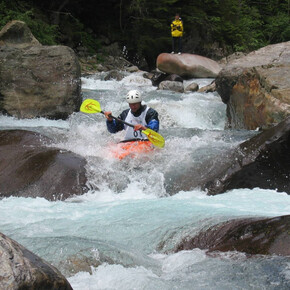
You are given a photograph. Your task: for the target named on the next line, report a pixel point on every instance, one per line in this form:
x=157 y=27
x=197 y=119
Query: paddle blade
x=155 y=138
x=90 y=106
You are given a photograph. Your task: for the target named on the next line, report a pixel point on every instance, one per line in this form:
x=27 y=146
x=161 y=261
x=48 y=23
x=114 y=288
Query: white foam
x=136 y=79
x=97 y=84
x=197 y=112
x=123 y=208
x=181 y=260
x=112 y=277
x=13 y=122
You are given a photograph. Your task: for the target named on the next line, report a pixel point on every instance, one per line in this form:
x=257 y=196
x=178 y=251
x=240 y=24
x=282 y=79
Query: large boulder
x=31 y=169
x=264 y=236
x=21 y=269
x=263 y=161
x=17 y=34
x=36 y=80
x=187 y=65
x=256 y=87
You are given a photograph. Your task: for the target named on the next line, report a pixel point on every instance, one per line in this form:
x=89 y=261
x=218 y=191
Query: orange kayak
x=131 y=148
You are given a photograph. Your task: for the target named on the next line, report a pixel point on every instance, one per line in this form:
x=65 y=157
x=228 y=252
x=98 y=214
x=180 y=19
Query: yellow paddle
x=92 y=106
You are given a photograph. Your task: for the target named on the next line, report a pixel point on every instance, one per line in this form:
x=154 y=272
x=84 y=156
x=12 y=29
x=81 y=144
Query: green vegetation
x=69 y=31
x=230 y=25
x=41 y=29
x=213 y=28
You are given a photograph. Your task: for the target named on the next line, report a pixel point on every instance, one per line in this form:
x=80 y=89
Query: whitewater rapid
x=122 y=233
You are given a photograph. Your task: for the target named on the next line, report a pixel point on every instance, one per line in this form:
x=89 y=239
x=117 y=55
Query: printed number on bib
x=136 y=133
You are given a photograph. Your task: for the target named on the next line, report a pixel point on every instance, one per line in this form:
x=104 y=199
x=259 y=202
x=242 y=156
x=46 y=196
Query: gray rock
x=156 y=77
x=21 y=269
x=256 y=87
x=208 y=89
x=30 y=169
x=193 y=87
x=174 y=78
x=114 y=75
x=263 y=236
x=35 y=80
x=132 y=69
x=172 y=86
x=17 y=34
x=263 y=161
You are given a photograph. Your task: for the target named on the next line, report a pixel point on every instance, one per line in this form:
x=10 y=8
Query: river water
x=121 y=234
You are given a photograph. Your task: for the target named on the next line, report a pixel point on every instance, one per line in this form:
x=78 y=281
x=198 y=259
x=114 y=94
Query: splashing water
x=112 y=236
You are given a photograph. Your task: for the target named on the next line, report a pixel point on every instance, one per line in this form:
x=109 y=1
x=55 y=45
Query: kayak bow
x=130 y=148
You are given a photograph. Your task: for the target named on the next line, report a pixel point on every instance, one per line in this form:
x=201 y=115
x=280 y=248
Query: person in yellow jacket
x=177 y=33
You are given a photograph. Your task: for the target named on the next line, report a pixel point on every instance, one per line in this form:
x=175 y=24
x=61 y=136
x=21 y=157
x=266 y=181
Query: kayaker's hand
x=108 y=116
x=139 y=127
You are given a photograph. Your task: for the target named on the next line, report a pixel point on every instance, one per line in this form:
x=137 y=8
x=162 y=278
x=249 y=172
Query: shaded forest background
x=213 y=28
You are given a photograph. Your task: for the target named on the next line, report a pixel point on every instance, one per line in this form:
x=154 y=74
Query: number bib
x=130 y=133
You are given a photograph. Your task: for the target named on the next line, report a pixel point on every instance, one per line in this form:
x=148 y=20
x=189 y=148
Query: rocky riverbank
x=256 y=87
x=45 y=81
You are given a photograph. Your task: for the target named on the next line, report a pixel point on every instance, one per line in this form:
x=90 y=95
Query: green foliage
x=143 y=26
x=247 y=34
x=88 y=41
x=44 y=33
x=277 y=28
x=76 y=34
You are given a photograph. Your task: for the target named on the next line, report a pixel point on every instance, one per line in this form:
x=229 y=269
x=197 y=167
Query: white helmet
x=133 y=97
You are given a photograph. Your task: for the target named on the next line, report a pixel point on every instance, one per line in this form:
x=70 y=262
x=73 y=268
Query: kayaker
x=141 y=116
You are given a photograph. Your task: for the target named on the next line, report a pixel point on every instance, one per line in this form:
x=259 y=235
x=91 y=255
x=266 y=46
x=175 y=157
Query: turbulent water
x=120 y=235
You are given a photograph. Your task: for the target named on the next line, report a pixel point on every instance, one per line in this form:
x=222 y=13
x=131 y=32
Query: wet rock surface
x=21 y=269
x=30 y=169
x=266 y=236
x=37 y=80
x=262 y=161
x=256 y=87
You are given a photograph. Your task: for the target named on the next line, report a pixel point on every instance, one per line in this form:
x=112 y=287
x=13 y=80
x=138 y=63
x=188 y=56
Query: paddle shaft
x=92 y=106
x=117 y=119
x=154 y=137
